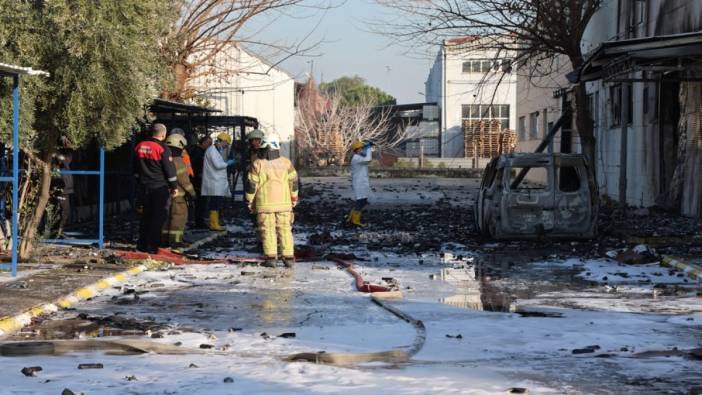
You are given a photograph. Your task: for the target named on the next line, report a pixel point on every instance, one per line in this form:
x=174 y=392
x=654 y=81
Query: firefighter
x=185 y=156
x=255 y=138
x=215 y=183
x=362 y=156
x=272 y=194
x=172 y=234
x=157 y=177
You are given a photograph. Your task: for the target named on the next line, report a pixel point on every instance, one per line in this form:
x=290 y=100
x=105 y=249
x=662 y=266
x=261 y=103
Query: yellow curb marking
x=12 y=324
x=691 y=270
x=103 y=284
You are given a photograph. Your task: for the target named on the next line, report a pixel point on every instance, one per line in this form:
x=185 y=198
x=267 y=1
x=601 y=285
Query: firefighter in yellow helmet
x=172 y=233
x=272 y=194
x=362 y=156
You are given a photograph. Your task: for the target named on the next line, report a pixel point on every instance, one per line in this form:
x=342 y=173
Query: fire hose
x=378 y=294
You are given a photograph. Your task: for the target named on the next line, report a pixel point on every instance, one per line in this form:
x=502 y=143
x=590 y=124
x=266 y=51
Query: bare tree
x=536 y=31
x=326 y=128
x=205 y=28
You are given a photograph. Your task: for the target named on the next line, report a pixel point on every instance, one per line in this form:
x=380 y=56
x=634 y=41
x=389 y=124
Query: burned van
x=537 y=195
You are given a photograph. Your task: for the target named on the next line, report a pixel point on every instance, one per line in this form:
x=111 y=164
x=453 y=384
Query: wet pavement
x=543 y=317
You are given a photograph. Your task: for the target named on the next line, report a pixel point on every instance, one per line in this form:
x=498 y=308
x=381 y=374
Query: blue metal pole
x=101 y=204
x=15 y=171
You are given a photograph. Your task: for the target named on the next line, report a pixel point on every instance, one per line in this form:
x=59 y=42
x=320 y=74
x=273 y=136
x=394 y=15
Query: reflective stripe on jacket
x=272 y=185
x=188 y=163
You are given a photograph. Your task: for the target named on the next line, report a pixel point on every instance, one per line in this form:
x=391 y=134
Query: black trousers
x=156 y=202
x=200 y=204
x=201 y=211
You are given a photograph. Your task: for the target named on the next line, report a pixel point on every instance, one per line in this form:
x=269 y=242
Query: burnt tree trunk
x=29 y=233
x=685 y=190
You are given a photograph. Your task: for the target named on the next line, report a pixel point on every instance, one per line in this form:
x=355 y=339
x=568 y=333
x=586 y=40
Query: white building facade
x=637 y=114
x=250 y=86
x=470 y=85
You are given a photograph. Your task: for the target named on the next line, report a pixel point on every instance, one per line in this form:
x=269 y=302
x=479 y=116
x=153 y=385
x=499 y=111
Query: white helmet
x=177 y=141
x=271 y=141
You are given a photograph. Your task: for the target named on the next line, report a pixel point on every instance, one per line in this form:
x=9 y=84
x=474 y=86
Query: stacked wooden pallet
x=487 y=139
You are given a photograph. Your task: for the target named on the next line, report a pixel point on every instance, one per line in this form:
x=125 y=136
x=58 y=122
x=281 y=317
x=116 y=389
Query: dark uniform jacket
x=153 y=165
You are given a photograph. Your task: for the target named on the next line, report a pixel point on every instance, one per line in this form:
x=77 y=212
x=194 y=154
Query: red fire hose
x=361 y=285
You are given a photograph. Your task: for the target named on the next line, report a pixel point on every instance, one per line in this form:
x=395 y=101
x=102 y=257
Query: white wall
x=643 y=151
x=463 y=89
x=253 y=89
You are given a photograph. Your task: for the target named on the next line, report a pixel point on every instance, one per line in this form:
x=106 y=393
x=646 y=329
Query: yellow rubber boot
x=214 y=221
x=349 y=217
x=356 y=218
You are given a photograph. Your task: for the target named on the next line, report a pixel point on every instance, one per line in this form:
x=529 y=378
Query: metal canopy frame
x=14 y=72
x=661 y=54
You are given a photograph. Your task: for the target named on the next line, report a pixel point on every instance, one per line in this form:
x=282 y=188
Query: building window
x=522 y=128
x=615 y=105
x=486 y=112
x=534 y=125
x=479 y=65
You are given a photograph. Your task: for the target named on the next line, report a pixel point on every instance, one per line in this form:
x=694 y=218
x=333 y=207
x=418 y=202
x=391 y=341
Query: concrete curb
x=692 y=271
x=12 y=324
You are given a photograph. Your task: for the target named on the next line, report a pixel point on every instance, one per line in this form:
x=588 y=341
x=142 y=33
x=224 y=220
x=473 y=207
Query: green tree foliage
x=355 y=92
x=103 y=57
x=103 y=60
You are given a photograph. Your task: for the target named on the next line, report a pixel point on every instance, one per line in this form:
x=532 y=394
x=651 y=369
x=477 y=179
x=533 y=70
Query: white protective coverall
x=214 y=174
x=359 y=174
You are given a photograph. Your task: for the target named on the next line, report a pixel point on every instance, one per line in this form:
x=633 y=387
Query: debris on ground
x=31 y=371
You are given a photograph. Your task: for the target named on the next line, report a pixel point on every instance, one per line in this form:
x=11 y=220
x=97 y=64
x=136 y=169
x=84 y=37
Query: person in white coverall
x=362 y=156
x=215 y=184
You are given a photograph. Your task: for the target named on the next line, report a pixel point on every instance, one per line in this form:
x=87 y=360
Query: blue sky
x=349 y=48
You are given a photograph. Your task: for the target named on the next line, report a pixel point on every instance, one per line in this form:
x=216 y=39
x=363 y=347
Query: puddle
x=474 y=289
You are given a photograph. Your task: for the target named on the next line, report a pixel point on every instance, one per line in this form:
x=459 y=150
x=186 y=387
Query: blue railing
x=12 y=266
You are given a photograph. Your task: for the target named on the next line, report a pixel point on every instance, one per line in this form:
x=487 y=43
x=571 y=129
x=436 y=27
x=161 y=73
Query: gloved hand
x=231 y=162
x=294 y=202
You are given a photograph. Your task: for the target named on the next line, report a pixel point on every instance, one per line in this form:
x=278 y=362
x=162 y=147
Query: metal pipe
x=101 y=203
x=544 y=143
x=15 y=170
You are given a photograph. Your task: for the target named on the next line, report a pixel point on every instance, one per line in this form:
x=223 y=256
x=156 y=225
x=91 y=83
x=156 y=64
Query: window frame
x=480 y=65
x=486 y=112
